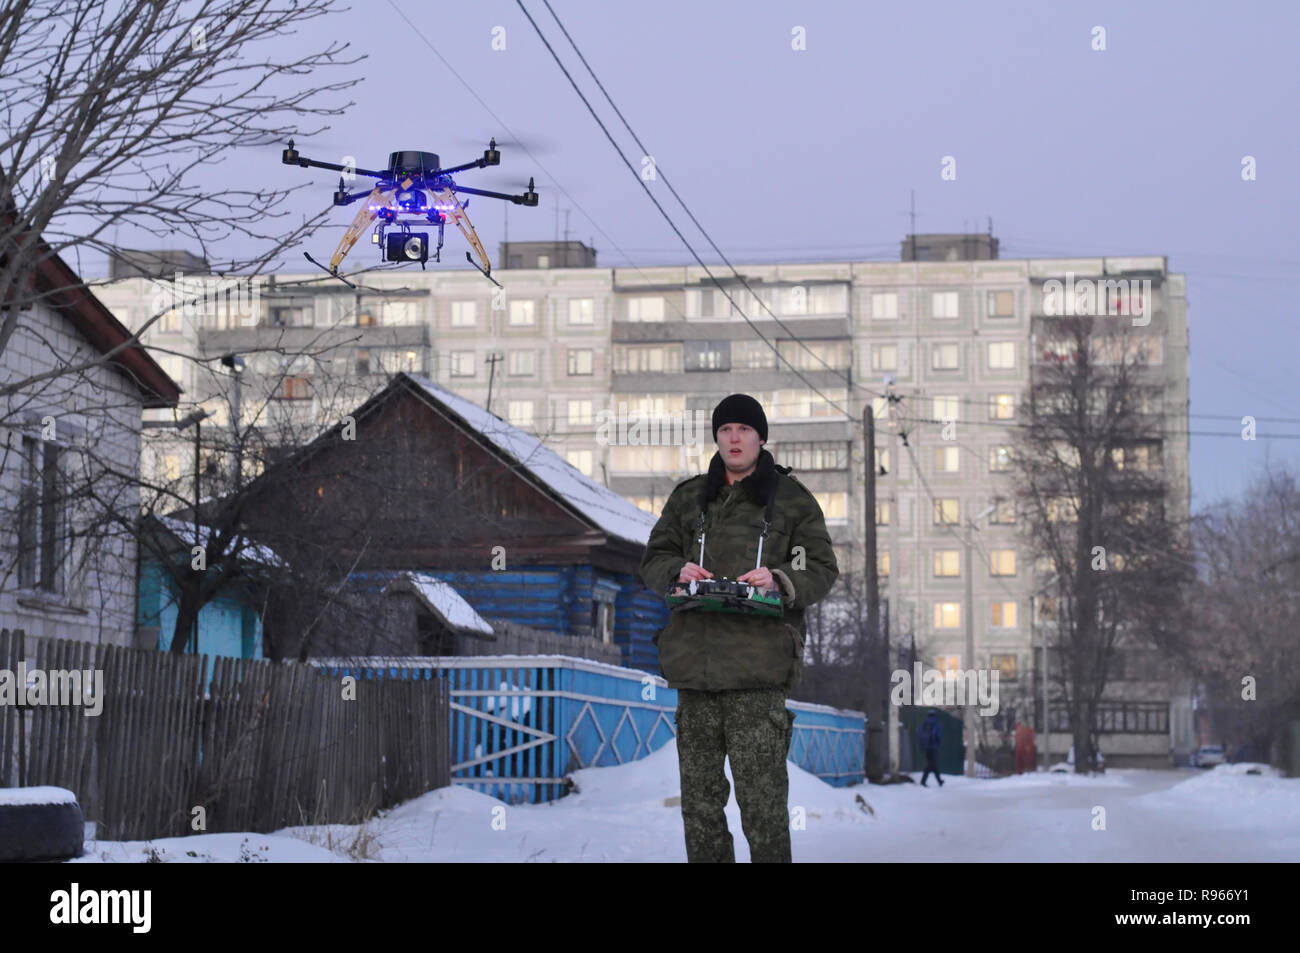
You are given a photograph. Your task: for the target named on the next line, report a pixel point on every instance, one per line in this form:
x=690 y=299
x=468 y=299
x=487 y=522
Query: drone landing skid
x=483 y=271
x=327 y=271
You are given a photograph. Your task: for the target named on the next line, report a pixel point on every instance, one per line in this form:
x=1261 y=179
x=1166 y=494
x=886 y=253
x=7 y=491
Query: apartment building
x=578 y=355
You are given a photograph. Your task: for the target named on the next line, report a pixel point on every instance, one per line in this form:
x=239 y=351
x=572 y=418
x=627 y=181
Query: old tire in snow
x=40 y=823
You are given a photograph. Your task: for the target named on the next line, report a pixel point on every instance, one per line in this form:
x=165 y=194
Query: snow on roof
x=444 y=601
x=605 y=508
x=183 y=530
x=36 y=795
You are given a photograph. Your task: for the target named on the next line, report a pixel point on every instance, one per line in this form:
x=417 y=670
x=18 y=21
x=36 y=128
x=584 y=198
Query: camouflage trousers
x=752 y=728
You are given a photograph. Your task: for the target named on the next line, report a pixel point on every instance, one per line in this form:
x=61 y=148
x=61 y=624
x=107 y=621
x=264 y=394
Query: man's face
x=739 y=445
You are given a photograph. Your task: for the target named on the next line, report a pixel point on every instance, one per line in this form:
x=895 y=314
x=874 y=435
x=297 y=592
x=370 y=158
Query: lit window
x=947 y=511
x=999 y=458
x=949 y=666
x=1002 y=355
x=1004 y=665
x=1002 y=406
x=580 y=362
x=581 y=460
x=882 y=460
x=947 y=615
x=1004 y=511
x=884 y=304
x=945 y=408
x=882 y=512
x=523 y=313
x=520 y=413
x=463 y=314
x=884 y=357
x=580 y=413
x=834 y=505
x=645 y=309
x=1002 y=562
x=582 y=311
x=1003 y=615
x=543 y=261
x=946 y=460
x=944 y=304
x=882 y=562
x=943 y=357
x=947 y=562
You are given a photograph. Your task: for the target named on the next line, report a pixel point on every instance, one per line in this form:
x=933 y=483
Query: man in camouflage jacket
x=732 y=672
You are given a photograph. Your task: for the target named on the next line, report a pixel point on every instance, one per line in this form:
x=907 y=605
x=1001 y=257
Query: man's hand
x=760 y=577
x=691 y=572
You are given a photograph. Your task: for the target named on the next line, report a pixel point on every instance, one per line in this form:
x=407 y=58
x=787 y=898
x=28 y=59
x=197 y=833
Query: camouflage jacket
x=716 y=651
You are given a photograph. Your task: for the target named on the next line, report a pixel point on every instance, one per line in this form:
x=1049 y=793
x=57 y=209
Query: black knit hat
x=740 y=409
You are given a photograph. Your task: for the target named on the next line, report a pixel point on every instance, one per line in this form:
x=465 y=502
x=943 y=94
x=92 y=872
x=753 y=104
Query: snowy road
x=631 y=813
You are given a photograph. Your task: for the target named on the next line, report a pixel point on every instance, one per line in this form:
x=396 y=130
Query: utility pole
x=875 y=730
x=492 y=370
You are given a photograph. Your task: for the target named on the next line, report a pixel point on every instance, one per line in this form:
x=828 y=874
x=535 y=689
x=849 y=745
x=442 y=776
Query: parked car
x=1207 y=756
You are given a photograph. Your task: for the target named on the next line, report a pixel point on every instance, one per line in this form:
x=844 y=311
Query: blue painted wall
x=228 y=625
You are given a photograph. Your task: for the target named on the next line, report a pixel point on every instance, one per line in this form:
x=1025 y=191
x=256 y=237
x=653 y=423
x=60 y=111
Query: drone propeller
x=536 y=145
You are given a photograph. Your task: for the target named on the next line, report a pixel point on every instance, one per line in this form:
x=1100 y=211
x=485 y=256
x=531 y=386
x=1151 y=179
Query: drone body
x=413 y=190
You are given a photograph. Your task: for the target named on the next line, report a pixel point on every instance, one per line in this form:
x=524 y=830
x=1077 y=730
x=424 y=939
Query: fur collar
x=759 y=486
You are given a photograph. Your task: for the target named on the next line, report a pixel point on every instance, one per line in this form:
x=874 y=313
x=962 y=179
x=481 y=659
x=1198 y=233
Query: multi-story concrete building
x=950 y=331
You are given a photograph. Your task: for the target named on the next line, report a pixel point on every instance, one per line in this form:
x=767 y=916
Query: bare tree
x=1246 y=634
x=116 y=114
x=1097 y=506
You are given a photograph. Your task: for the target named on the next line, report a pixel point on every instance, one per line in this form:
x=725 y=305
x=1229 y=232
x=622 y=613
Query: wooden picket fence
x=257 y=745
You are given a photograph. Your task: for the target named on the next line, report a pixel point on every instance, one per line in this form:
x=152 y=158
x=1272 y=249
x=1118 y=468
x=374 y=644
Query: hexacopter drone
x=414 y=189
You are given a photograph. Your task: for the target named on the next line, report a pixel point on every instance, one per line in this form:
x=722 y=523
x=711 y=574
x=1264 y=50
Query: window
x=638 y=458
x=294 y=388
x=580 y=362
x=1004 y=665
x=884 y=305
x=1001 y=304
x=750 y=355
x=949 y=666
x=947 y=511
x=522 y=363
x=882 y=562
x=366 y=318
x=946 y=460
x=582 y=311
x=642 y=359
x=523 y=313
x=943 y=357
x=462 y=363
x=882 y=460
x=602 y=620
x=943 y=304
x=42 y=517
x=1002 y=406
x=947 y=615
x=579 y=413
x=520 y=413
x=884 y=357
x=169 y=322
x=543 y=261
x=1004 y=511
x=999 y=458
x=945 y=408
x=947 y=562
x=814 y=355
x=645 y=309
x=834 y=504
x=1142 y=457
x=828 y=455
x=581 y=460
x=1003 y=615
x=463 y=314
x=882 y=512
x=1002 y=562
x=1002 y=355
x=708 y=355
x=1062 y=509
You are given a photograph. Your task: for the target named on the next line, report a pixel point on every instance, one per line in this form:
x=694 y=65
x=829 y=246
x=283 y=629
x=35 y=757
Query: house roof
x=598 y=504
x=69 y=295
x=442 y=600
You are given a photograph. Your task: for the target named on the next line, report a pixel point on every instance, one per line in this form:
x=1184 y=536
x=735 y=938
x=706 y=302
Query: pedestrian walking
x=931 y=736
x=733 y=672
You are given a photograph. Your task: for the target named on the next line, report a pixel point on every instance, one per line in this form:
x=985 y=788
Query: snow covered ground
x=631 y=813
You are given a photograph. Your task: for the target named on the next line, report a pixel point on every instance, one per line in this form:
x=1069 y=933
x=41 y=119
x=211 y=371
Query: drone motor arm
x=528 y=198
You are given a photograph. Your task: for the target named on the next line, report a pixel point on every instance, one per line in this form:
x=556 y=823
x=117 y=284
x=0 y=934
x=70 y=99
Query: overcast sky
x=810 y=154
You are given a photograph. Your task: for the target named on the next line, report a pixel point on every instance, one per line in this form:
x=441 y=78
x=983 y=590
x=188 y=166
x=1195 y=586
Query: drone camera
x=408 y=246
x=411 y=200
